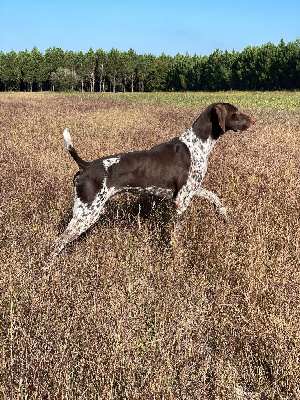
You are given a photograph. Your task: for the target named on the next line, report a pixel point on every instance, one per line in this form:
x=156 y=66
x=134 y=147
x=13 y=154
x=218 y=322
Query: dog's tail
x=68 y=142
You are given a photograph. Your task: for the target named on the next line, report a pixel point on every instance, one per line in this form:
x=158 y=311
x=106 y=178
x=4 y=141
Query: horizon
x=156 y=55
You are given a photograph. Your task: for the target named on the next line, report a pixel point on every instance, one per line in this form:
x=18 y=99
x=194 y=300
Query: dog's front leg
x=214 y=199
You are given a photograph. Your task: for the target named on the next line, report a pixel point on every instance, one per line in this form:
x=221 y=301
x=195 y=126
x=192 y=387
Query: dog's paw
x=222 y=213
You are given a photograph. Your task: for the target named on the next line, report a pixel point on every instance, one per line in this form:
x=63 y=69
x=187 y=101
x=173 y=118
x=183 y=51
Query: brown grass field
x=122 y=314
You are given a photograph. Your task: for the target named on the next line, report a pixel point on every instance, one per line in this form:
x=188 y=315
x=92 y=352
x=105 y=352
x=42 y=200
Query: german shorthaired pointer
x=174 y=169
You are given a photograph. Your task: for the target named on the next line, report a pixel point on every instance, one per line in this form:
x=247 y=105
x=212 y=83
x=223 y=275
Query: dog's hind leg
x=75 y=228
x=84 y=216
x=182 y=202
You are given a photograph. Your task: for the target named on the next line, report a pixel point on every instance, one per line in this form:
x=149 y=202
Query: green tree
x=244 y=69
x=144 y=65
x=157 y=78
x=130 y=68
x=70 y=60
x=3 y=71
x=218 y=71
x=10 y=71
x=39 y=66
x=288 y=65
x=90 y=65
x=114 y=68
x=266 y=57
x=32 y=68
x=26 y=68
x=81 y=68
x=54 y=59
x=64 y=79
x=181 y=73
x=101 y=68
x=292 y=65
x=196 y=73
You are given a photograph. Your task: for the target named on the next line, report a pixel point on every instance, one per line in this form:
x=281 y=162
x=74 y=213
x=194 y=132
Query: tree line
x=266 y=67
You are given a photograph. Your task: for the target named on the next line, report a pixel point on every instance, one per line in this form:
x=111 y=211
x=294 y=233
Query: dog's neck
x=196 y=144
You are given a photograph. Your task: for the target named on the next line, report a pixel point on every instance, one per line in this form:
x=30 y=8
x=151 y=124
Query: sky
x=149 y=26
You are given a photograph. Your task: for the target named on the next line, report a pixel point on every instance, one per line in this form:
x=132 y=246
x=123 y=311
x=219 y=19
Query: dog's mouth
x=245 y=126
x=238 y=130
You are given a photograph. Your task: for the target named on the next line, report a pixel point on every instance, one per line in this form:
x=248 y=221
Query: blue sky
x=156 y=26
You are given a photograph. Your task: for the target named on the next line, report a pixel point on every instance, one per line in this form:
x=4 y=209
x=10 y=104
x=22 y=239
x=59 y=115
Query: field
x=123 y=314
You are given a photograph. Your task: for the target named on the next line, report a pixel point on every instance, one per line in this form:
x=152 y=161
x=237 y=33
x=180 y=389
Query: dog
x=174 y=169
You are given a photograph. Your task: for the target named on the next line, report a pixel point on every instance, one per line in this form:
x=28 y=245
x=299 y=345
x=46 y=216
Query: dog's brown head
x=226 y=117
x=219 y=118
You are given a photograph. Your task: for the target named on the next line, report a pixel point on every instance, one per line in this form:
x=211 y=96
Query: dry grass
x=121 y=314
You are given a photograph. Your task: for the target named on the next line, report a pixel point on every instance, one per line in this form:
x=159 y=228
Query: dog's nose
x=252 y=120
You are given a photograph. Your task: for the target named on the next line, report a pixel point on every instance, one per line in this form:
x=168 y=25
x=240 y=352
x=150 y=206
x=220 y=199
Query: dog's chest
x=199 y=151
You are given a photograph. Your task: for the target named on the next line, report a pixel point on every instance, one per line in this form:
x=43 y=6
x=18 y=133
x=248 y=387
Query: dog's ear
x=219 y=115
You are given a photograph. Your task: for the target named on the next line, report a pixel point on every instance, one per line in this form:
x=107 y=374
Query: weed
x=122 y=314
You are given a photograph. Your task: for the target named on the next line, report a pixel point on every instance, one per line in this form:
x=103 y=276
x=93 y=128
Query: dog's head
x=225 y=117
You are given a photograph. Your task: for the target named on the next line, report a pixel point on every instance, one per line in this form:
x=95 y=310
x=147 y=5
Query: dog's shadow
x=132 y=212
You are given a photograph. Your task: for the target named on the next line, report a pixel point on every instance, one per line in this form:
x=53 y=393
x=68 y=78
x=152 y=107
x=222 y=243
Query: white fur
x=110 y=161
x=84 y=216
x=199 y=152
x=67 y=139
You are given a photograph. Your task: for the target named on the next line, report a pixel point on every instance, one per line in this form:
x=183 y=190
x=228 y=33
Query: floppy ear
x=220 y=113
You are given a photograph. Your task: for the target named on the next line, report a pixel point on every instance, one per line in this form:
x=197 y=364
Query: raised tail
x=68 y=142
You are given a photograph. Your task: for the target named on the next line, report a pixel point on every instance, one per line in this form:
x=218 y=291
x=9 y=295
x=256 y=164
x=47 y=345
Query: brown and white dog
x=173 y=169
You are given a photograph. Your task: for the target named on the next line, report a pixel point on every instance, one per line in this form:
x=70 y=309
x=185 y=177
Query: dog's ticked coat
x=173 y=169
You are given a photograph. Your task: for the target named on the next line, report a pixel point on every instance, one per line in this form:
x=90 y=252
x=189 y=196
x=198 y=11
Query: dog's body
x=173 y=169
